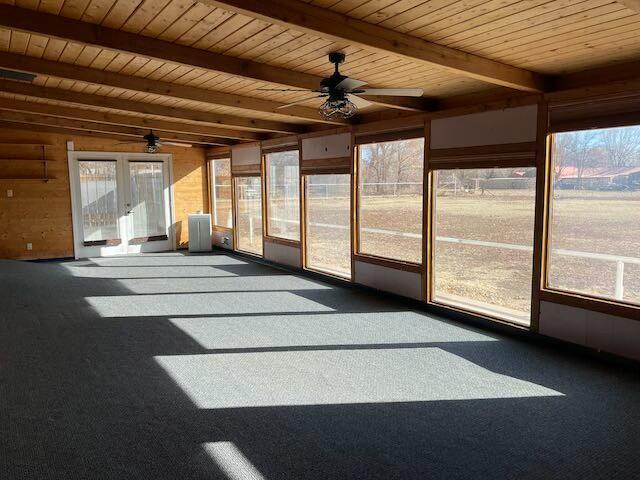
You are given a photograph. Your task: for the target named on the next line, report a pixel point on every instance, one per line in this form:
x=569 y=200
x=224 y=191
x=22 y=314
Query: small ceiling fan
x=341 y=92
x=153 y=143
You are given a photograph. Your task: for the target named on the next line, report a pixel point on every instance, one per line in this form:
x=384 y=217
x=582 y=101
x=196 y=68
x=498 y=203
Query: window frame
x=212 y=199
x=236 y=231
x=305 y=216
x=508 y=155
x=359 y=255
x=265 y=187
x=570 y=298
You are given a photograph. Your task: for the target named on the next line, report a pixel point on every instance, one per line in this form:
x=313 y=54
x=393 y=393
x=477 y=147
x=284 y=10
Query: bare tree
x=621 y=146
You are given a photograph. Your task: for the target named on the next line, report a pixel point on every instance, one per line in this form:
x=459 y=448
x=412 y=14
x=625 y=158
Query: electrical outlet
x=9 y=193
x=225 y=241
x=29 y=246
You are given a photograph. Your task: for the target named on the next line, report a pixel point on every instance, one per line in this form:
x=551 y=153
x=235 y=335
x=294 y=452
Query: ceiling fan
x=341 y=92
x=152 y=143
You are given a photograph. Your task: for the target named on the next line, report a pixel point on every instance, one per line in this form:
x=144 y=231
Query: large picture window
x=390 y=199
x=249 y=214
x=594 y=222
x=328 y=224
x=483 y=245
x=221 y=192
x=283 y=195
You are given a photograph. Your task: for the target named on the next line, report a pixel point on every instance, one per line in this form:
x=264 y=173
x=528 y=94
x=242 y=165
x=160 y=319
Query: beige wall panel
x=511 y=125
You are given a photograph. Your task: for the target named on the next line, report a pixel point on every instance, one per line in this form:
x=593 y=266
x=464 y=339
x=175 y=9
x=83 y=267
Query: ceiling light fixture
x=337 y=108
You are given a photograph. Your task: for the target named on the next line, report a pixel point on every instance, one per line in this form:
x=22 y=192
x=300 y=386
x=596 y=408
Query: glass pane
x=328 y=202
x=483 y=252
x=221 y=192
x=283 y=200
x=594 y=246
x=249 y=214
x=147 y=199
x=390 y=199
x=99 y=196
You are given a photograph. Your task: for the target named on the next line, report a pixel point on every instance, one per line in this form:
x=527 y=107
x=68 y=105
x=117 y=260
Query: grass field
x=590 y=222
x=583 y=221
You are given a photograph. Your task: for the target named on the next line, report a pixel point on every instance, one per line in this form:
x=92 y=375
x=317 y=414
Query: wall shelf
x=25 y=160
x=39 y=179
x=43 y=159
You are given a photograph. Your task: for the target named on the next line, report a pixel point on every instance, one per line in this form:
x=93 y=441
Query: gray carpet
x=170 y=366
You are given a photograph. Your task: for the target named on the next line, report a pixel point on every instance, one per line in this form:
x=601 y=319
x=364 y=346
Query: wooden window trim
x=591 y=303
x=384 y=137
x=282 y=241
x=485 y=156
x=483 y=316
x=265 y=221
x=566 y=297
x=389 y=263
x=210 y=183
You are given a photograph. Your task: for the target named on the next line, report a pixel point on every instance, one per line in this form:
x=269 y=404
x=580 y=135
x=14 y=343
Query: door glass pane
x=390 y=199
x=221 y=192
x=99 y=196
x=328 y=224
x=249 y=214
x=283 y=199
x=594 y=220
x=147 y=199
x=483 y=251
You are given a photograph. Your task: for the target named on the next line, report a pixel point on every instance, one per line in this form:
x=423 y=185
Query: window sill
x=389 y=263
x=599 y=305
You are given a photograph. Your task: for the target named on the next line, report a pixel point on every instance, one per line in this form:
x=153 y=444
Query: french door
x=121 y=203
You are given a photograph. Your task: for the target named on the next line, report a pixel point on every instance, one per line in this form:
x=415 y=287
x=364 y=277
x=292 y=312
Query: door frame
x=120 y=158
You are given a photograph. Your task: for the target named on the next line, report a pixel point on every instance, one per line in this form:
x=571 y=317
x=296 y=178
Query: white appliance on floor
x=199 y=232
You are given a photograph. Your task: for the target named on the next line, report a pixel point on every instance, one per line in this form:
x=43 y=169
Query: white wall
x=330 y=146
x=496 y=127
x=283 y=254
x=600 y=331
x=407 y=284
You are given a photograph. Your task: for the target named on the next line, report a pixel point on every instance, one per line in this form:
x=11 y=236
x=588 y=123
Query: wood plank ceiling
x=195 y=70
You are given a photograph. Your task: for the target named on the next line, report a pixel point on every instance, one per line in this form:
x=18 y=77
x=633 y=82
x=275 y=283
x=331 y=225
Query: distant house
x=599 y=178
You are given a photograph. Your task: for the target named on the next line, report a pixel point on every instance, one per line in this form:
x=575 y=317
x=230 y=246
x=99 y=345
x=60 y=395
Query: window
x=146 y=181
x=221 y=192
x=283 y=195
x=99 y=196
x=390 y=199
x=594 y=222
x=249 y=214
x=328 y=224
x=483 y=245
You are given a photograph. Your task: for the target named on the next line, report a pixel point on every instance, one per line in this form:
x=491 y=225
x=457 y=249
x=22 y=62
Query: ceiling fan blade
x=396 y=92
x=298 y=102
x=350 y=84
x=359 y=102
x=177 y=144
x=285 y=90
x=132 y=143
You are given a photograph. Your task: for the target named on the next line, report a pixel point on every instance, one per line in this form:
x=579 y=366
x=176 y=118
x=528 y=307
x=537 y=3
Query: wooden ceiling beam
x=55 y=26
x=239 y=125
x=67 y=71
x=337 y=27
x=131 y=132
x=71 y=131
x=117 y=119
x=631 y=4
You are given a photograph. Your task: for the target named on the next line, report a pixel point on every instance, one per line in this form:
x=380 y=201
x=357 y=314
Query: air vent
x=13 y=75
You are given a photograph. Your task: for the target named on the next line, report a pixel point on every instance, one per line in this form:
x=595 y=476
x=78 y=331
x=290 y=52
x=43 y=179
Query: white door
x=121 y=203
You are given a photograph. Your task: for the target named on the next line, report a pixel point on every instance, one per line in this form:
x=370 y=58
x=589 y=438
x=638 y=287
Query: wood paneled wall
x=40 y=212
